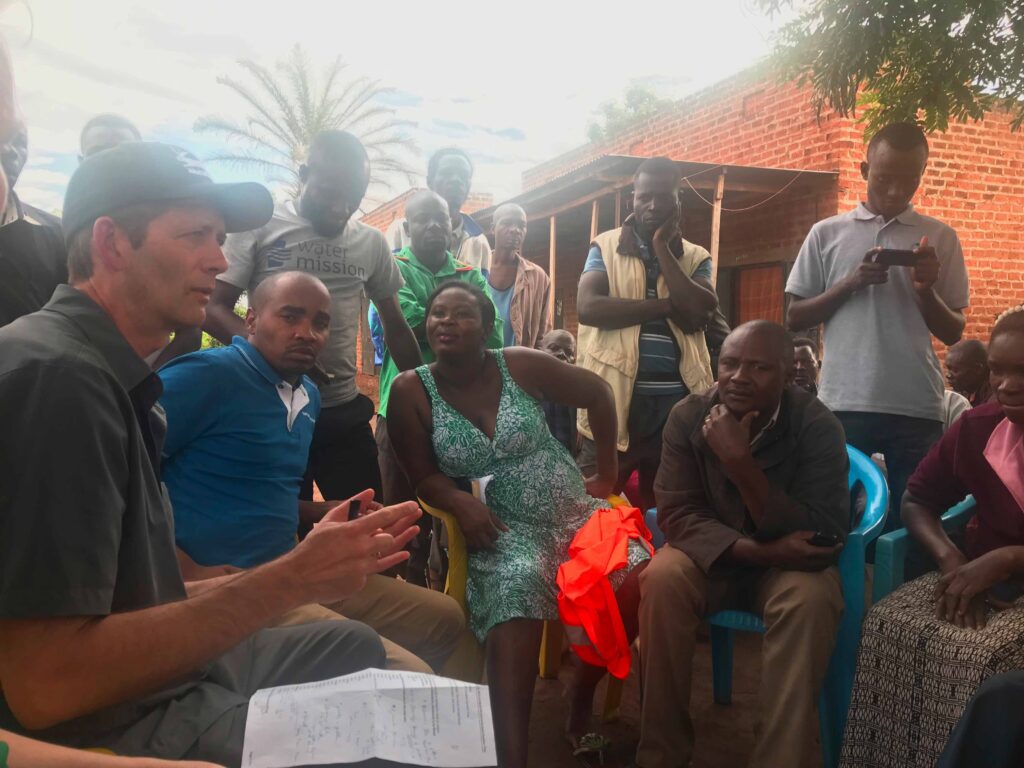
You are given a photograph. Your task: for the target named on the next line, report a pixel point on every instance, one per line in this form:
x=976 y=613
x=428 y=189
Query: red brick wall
x=745 y=120
x=975 y=179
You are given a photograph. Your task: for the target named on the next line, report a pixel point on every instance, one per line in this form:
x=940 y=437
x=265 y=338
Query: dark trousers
x=643 y=457
x=903 y=441
x=396 y=490
x=343 y=454
x=990 y=732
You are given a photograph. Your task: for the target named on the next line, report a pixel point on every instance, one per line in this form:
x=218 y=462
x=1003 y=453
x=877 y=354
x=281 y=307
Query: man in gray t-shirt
x=315 y=234
x=880 y=375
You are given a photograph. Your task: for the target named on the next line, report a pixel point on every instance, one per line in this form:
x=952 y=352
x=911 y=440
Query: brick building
x=784 y=170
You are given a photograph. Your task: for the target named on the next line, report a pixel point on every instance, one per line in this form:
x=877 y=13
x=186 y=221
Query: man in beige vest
x=644 y=299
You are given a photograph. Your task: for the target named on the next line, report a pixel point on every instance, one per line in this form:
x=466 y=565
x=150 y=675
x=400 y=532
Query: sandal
x=589 y=745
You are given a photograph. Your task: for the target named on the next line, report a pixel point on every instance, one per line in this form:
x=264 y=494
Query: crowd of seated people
x=163 y=552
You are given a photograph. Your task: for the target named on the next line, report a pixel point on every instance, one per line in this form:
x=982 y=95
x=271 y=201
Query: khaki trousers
x=419 y=627
x=801 y=612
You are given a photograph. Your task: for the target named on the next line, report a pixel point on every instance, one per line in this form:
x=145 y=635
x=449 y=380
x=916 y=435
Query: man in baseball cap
x=118 y=199
x=151 y=172
x=102 y=643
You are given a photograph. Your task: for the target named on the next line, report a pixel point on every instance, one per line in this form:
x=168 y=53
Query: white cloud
x=539 y=67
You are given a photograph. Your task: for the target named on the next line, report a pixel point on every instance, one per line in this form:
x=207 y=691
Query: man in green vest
x=644 y=299
x=424 y=264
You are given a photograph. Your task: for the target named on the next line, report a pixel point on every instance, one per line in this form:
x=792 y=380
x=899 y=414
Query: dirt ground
x=725 y=734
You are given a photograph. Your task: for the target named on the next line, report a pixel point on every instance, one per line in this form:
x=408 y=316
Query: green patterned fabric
x=537 y=491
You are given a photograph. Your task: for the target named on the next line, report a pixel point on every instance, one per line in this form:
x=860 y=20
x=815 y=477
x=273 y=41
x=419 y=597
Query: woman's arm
x=409 y=416
x=547 y=378
x=925 y=525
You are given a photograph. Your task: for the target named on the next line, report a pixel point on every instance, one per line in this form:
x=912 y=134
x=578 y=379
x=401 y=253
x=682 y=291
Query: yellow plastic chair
x=467 y=662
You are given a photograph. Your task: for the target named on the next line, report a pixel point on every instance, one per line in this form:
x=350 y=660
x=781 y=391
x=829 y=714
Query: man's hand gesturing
x=334 y=560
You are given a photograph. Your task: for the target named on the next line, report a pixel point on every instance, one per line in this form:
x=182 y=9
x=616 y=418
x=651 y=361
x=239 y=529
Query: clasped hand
x=794 y=552
x=480 y=526
x=962 y=593
x=728 y=437
x=682 y=313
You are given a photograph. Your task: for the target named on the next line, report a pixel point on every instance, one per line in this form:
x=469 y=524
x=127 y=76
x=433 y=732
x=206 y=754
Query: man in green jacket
x=424 y=264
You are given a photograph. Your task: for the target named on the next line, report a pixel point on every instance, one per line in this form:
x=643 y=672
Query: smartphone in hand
x=893 y=257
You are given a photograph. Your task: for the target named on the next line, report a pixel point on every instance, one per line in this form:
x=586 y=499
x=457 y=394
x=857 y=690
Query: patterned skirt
x=915 y=675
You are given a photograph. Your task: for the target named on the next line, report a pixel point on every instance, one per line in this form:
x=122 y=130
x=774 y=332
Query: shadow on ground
x=725 y=734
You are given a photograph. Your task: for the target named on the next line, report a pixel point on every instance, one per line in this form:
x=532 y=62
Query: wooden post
x=552 y=267
x=716 y=225
x=595 y=215
x=618 y=208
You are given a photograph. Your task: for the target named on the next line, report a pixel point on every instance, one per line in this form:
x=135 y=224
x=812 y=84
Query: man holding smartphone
x=753 y=501
x=881 y=376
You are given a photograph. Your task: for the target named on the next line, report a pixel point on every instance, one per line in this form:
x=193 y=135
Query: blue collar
x=252 y=356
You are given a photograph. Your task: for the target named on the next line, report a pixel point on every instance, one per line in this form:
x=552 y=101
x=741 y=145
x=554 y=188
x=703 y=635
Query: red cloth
x=586 y=601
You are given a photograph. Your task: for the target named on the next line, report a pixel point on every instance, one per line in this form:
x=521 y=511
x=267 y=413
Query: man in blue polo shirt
x=240 y=423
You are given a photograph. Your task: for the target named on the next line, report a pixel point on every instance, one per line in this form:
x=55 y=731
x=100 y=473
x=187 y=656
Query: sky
x=513 y=84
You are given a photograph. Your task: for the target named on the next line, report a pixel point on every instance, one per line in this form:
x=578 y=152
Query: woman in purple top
x=928 y=646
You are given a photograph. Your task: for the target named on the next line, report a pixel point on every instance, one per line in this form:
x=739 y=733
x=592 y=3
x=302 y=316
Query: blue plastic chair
x=891 y=549
x=838 y=686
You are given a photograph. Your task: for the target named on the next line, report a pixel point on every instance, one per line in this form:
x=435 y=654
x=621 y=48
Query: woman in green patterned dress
x=475 y=413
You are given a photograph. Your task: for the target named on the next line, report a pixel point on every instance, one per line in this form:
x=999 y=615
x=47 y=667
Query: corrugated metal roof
x=609 y=172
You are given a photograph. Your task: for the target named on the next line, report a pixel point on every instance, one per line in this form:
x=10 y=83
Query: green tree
x=288 y=104
x=920 y=60
x=639 y=102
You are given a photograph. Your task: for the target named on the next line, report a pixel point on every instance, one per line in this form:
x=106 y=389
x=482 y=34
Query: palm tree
x=289 y=105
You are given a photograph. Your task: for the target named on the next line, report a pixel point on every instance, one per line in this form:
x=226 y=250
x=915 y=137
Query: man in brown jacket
x=519 y=287
x=750 y=472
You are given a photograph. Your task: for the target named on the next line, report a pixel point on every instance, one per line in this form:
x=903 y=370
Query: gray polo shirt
x=355 y=261
x=878 y=351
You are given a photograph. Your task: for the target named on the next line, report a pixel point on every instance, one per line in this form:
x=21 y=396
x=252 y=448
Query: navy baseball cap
x=151 y=172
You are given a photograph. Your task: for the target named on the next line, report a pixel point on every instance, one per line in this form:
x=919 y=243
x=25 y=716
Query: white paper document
x=406 y=717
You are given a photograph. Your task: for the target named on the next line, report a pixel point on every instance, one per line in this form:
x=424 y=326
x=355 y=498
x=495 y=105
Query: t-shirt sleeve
x=240 y=250
x=412 y=305
x=953 y=284
x=594 y=262
x=63 y=449
x=191 y=399
x=386 y=279
x=703 y=270
x=807 y=279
